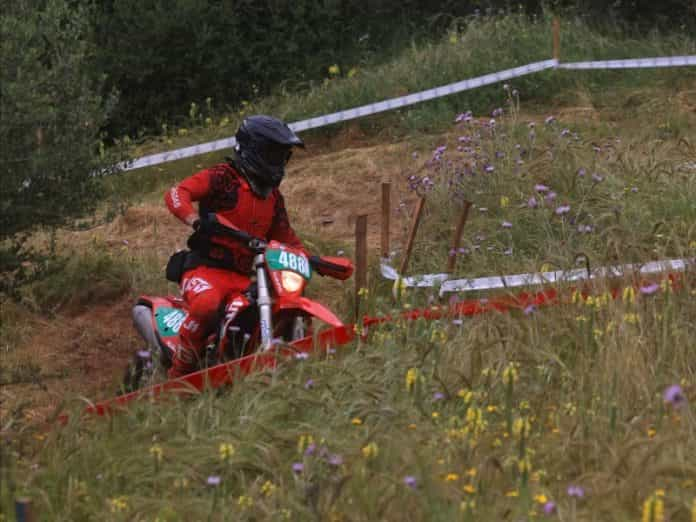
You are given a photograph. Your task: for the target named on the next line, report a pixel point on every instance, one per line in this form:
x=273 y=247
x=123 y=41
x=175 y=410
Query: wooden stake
x=23 y=510
x=556 y=38
x=386 y=213
x=360 y=259
x=456 y=239
x=412 y=236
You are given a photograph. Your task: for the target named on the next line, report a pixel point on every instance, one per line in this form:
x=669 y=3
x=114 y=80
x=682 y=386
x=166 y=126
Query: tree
x=51 y=113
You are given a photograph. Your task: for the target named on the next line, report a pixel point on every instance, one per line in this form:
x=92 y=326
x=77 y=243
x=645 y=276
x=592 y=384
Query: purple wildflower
x=438 y=396
x=585 y=229
x=497 y=112
x=550 y=508
x=144 y=354
x=674 y=395
x=563 y=209
x=508 y=252
x=489 y=168
x=411 y=481
x=582 y=172
x=463 y=117
x=440 y=149
x=550 y=196
x=463 y=251
x=297 y=468
x=576 y=491
x=457 y=322
x=532 y=202
x=311 y=449
x=302 y=356
x=549 y=119
x=335 y=459
x=541 y=188
x=565 y=132
x=309 y=384
x=530 y=309
x=214 y=480
x=634 y=189
x=506 y=224
x=597 y=178
x=649 y=289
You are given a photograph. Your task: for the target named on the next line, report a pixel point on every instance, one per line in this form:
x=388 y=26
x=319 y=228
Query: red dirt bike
x=271 y=310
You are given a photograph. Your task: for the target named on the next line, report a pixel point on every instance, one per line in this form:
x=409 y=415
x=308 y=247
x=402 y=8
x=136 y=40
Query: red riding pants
x=205 y=291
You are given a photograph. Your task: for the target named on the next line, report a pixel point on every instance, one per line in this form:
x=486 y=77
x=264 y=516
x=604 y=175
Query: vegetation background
x=559 y=413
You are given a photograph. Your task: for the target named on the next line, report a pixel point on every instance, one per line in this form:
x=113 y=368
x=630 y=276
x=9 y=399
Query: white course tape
x=349 y=114
x=410 y=99
x=534 y=279
x=637 y=63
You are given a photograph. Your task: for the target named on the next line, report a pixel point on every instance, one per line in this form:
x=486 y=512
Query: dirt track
x=83 y=351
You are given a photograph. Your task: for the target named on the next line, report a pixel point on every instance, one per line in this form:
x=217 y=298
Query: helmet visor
x=275 y=154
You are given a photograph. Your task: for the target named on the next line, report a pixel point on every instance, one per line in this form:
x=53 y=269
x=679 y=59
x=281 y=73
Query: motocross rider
x=244 y=190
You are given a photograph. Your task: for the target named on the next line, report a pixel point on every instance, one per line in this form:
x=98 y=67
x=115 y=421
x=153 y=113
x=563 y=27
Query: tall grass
x=487 y=419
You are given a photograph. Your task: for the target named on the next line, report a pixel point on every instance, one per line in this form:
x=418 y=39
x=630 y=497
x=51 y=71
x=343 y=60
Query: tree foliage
x=51 y=113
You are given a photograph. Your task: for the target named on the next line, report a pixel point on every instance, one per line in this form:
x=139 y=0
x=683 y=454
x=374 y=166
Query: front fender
x=311 y=307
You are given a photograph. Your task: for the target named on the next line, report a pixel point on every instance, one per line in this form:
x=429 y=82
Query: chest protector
x=231 y=196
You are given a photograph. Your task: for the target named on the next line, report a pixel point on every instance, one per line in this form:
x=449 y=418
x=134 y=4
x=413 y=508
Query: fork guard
x=311 y=307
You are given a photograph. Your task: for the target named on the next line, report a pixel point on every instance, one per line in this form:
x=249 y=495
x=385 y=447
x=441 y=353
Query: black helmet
x=264 y=146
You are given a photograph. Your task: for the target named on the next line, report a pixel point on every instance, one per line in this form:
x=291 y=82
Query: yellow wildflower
x=653 y=509
x=181 y=483
x=363 y=292
x=512 y=493
x=521 y=427
x=545 y=268
x=467 y=395
x=510 y=374
x=491 y=408
x=631 y=318
x=652 y=432
x=524 y=465
x=353 y=71
x=303 y=441
x=412 y=426
x=117 y=504
x=436 y=414
x=469 y=488
x=453 y=38
x=629 y=294
x=451 y=477
x=156 y=452
x=357 y=421
x=581 y=319
x=504 y=201
x=226 y=451
x=467 y=505
x=541 y=498
x=576 y=297
x=411 y=377
x=268 y=488
x=245 y=502
x=370 y=451
x=471 y=472
x=334 y=70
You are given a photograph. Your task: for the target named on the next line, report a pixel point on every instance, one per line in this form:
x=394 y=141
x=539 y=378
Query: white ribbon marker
x=534 y=279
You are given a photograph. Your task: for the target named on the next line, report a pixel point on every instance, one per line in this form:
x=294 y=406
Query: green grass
x=587 y=378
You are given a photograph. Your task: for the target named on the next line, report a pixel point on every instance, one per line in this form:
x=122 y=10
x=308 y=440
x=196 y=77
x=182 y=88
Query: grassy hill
x=556 y=413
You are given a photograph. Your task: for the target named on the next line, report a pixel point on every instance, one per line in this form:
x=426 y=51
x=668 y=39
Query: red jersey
x=221 y=189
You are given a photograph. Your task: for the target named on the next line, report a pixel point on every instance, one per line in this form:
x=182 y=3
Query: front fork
x=265 y=303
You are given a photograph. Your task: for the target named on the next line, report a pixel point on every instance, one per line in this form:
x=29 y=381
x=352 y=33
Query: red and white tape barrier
x=532 y=279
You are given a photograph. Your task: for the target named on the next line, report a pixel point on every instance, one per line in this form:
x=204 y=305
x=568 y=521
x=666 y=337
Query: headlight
x=291 y=281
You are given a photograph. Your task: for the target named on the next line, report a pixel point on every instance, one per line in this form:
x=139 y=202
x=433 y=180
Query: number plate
x=283 y=260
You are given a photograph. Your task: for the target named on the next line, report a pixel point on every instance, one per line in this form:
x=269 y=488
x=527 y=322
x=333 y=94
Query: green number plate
x=169 y=320
x=283 y=260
